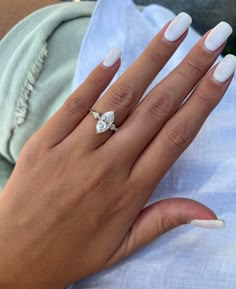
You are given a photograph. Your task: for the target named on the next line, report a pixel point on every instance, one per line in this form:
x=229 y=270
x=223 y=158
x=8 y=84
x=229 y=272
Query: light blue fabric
x=37 y=65
x=186 y=257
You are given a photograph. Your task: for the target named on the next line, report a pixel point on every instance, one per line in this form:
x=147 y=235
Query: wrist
x=17 y=271
x=11 y=263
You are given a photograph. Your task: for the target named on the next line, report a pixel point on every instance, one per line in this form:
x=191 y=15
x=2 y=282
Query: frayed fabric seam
x=28 y=87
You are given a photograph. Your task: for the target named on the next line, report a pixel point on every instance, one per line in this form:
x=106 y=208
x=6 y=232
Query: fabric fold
x=37 y=60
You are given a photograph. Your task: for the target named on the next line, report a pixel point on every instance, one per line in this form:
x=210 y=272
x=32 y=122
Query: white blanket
x=186 y=257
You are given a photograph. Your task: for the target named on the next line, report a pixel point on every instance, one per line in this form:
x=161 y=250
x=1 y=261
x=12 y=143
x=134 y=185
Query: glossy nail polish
x=209 y=224
x=112 y=57
x=218 y=36
x=178 y=26
x=225 y=68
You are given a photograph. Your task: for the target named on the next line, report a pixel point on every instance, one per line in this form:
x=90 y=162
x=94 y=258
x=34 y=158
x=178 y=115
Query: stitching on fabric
x=28 y=87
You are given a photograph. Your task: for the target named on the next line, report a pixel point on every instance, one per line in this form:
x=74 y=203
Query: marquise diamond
x=108 y=117
x=105 y=122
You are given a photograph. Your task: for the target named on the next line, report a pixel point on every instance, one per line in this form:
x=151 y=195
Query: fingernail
x=219 y=34
x=209 y=224
x=112 y=57
x=178 y=26
x=225 y=68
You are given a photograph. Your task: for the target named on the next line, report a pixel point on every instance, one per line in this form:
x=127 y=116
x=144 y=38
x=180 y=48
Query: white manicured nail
x=225 y=68
x=209 y=224
x=178 y=26
x=112 y=57
x=218 y=36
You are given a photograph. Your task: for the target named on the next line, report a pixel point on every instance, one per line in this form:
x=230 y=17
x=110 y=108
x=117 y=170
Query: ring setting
x=105 y=121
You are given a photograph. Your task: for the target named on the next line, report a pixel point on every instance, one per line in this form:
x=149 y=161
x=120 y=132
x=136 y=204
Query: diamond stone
x=105 y=121
x=95 y=114
x=102 y=126
x=108 y=117
x=113 y=127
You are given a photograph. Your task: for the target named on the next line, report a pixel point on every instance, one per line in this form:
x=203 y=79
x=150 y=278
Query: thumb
x=161 y=217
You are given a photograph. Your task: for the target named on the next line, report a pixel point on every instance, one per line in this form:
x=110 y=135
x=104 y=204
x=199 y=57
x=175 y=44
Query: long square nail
x=178 y=26
x=225 y=68
x=218 y=36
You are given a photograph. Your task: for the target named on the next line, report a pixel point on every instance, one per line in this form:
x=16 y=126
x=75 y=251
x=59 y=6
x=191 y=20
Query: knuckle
x=122 y=95
x=182 y=73
x=73 y=105
x=95 y=81
x=206 y=99
x=178 y=137
x=164 y=225
x=195 y=66
x=190 y=67
x=154 y=55
x=31 y=153
x=160 y=107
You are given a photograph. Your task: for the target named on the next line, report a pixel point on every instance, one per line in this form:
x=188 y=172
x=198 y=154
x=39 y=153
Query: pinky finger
x=77 y=106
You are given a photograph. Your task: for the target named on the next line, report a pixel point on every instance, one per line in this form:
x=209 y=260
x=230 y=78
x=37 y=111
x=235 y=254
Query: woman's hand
x=74 y=203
